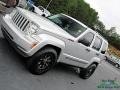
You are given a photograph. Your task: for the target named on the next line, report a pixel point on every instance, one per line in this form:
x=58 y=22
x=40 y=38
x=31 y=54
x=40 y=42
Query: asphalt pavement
x=15 y=76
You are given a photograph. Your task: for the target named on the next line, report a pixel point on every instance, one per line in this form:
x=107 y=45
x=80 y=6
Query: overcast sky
x=109 y=12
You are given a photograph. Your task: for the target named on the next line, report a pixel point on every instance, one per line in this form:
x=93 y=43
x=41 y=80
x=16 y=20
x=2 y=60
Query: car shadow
x=70 y=70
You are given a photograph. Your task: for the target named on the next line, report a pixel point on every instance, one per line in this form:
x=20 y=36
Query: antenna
x=48 y=4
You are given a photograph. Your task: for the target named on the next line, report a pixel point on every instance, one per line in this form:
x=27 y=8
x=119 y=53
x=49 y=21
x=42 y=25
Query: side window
x=97 y=44
x=87 y=39
x=104 y=48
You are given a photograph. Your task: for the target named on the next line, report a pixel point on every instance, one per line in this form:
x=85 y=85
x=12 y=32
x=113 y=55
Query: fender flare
x=93 y=60
x=46 y=39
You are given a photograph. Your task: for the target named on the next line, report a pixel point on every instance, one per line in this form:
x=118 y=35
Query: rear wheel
x=42 y=61
x=87 y=72
x=117 y=65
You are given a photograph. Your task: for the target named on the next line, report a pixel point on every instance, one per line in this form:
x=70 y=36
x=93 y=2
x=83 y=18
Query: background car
x=113 y=60
x=38 y=10
x=41 y=11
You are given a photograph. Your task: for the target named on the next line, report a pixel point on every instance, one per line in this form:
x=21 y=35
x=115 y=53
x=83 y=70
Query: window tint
x=87 y=39
x=97 y=44
x=104 y=48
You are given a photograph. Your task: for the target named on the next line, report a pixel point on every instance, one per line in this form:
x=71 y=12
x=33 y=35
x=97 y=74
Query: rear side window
x=104 y=48
x=87 y=39
x=97 y=44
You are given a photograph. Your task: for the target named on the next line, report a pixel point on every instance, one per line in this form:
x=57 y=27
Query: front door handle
x=88 y=50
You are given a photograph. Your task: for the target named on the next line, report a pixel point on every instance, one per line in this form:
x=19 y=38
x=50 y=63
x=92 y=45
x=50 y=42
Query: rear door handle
x=88 y=50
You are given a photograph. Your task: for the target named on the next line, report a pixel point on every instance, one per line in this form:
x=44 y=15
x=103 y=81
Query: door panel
x=79 y=50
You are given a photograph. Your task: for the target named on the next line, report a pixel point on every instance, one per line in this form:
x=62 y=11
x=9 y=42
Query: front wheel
x=87 y=72
x=43 y=61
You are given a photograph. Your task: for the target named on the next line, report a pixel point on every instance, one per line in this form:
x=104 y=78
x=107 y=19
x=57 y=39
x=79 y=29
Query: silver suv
x=57 y=38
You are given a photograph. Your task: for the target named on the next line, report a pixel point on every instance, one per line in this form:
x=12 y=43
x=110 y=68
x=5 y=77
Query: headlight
x=32 y=29
x=32 y=33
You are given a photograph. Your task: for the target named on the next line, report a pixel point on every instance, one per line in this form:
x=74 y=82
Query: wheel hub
x=44 y=61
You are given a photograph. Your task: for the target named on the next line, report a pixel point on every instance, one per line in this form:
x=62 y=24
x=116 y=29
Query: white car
x=114 y=60
x=55 y=39
x=40 y=11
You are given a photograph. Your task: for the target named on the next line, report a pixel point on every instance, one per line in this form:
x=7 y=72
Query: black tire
x=87 y=72
x=42 y=61
x=117 y=65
